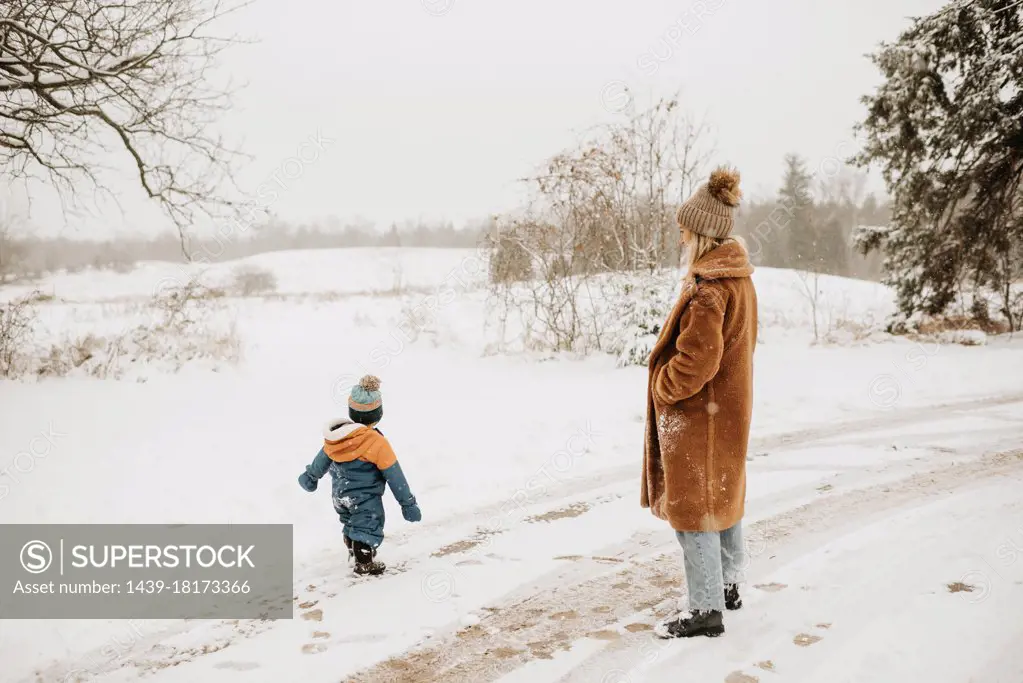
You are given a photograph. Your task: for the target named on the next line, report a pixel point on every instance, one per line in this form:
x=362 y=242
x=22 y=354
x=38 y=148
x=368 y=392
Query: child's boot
x=351 y=553
x=364 y=562
x=732 y=599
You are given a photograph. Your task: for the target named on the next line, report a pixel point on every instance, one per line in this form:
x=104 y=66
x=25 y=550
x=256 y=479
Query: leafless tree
x=615 y=195
x=604 y=206
x=80 y=79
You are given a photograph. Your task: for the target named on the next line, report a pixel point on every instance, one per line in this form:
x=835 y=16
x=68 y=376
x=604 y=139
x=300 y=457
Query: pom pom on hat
x=724 y=186
x=370 y=383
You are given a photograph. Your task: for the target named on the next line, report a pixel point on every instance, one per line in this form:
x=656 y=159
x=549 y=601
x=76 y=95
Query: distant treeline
x=812 y=223
x=26 y=257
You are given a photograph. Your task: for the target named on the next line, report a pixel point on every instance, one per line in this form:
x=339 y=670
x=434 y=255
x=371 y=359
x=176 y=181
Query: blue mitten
x=311 y=477
x=411 y=512
x=307 y=481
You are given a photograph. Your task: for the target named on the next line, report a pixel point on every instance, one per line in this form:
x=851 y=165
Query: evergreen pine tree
x=946 y=127
x=797 y=237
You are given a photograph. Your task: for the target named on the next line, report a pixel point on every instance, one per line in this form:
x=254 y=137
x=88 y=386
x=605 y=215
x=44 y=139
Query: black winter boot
x=732 y=599
x=364 y=563
x=692 y=623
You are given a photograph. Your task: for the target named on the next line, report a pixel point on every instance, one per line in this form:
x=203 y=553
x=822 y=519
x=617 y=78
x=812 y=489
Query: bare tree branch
x=84 y=78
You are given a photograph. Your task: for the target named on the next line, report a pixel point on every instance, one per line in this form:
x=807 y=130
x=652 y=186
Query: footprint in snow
x=806 y=640
x=740 y=677
x=664 y=582
x=313 y=615
x=313 y=648
x=771 y=587
x=605 y=635
x=562 y=616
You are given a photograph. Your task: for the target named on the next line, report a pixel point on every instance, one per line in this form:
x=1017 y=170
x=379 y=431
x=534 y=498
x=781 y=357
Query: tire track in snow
x=621 y=481
x=860 y=426
x=551 y=619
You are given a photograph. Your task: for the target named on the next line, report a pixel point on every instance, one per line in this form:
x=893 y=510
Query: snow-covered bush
x=65 y=357
x=250 y=280
x=615 y=313
x=963 y=337
x=180 y=326
x=17 y=319
x=646 y=304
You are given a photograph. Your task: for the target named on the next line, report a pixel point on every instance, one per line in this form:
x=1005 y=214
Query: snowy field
x=885 y=521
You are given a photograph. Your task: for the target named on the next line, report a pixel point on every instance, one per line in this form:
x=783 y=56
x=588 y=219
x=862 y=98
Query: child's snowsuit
x=360 y=461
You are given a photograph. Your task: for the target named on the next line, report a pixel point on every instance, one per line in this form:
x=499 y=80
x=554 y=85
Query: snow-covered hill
x=370 y=270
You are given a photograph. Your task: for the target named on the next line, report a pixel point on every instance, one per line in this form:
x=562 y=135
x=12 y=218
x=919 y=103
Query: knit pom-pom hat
x=365 y=404
x=710 y=211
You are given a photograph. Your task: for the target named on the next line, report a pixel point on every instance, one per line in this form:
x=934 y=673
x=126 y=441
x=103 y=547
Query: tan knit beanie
x=709 y=211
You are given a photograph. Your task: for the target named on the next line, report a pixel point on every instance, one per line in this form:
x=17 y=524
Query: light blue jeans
x=712 y=559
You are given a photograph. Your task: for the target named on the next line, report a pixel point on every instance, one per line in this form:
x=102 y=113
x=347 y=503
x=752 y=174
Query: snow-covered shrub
x=615 y=313
x=181 y=326
x=646 y=303
x=250 y=280
x=17 y=319
x=964 y=337
x=183 y=329
x=417 y=317
x=63 y=358
x=509 y=261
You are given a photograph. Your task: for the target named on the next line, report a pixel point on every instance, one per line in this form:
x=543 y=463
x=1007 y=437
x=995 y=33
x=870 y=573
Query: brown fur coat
x=700 y=397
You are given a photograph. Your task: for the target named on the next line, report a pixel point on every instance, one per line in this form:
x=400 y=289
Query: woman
x=699 y=404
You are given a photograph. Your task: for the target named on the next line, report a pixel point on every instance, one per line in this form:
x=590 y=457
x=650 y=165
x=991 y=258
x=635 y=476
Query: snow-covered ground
x=882 y=472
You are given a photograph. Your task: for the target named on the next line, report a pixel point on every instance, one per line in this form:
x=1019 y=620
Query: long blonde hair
x=697 y=246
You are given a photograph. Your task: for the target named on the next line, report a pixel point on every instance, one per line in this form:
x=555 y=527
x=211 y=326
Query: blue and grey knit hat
x=365 y=404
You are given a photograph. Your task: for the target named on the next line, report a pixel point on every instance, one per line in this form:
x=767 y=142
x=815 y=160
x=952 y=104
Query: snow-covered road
x=856 y=532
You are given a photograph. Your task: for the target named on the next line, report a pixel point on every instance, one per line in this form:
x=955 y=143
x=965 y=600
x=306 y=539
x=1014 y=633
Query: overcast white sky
x=436 y=107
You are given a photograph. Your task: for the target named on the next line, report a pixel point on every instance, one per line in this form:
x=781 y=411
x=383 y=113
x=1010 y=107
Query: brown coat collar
x=729 y=260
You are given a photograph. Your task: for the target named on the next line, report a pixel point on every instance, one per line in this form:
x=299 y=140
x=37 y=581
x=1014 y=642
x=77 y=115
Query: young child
x=360 y=461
